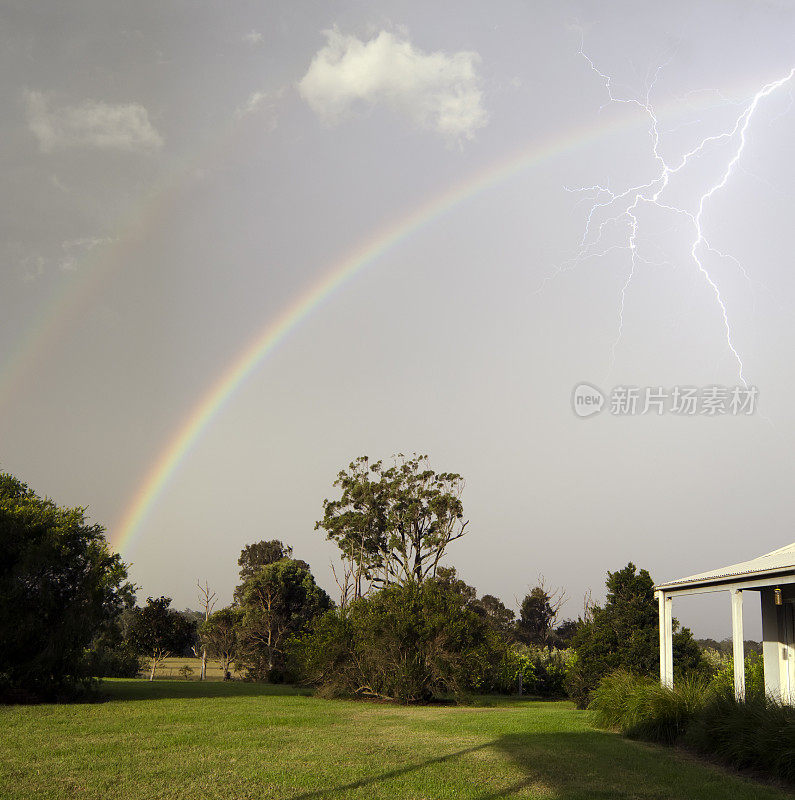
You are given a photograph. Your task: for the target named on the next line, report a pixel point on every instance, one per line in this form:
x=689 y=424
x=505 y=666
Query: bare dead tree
x=557 y=598
x=207 y=600
x=587 y=606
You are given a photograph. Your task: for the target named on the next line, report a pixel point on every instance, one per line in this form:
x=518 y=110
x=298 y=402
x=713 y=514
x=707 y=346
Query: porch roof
x=775 y=564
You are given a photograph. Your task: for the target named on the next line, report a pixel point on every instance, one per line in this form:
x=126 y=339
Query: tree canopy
x=59 y=583
x=395 y=522
x=276 y=603
x=157 y=631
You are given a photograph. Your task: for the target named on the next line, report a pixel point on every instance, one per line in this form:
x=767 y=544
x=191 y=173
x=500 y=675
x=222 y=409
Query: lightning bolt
x=622 y=206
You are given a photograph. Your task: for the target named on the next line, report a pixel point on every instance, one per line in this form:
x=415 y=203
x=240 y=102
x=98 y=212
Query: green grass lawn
x=184 y=739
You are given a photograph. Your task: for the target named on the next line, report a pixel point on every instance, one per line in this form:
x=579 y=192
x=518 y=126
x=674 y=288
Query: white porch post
x=737 y=643
x=666 y=640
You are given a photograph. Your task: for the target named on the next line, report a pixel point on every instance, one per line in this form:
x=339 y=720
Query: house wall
x=771 y=643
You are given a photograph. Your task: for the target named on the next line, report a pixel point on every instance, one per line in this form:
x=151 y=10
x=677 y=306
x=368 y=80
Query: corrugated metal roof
x=776 y=561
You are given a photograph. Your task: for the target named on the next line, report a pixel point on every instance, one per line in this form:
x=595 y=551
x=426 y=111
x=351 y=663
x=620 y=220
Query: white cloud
x=91 y=124
x=252 y=37
x=255 y=101
x=436 y=91
x=261 y=103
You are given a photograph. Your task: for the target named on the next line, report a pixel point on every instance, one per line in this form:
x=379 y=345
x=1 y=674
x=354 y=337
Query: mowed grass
x=185 y=739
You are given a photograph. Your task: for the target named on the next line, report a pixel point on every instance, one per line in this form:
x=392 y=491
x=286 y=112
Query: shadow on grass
x=588 y=765
x=316 y=794
x=140 y=689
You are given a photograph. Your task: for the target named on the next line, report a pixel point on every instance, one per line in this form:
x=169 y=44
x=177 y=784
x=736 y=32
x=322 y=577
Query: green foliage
x=186 y=670
x=395 y=523
x=254 y=557
x=59 y=584
x=536 y=617
x=723 y=679
x=539 y=671
x=563 y=635
x=757 y=734
x=111 y=655
x=410 y=642
x=495 y=613
x=157 y=631
x=277 y=602
x=220 y=635
x=625 y=635
x=641 y=708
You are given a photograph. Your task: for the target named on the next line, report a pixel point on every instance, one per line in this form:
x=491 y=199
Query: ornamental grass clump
x=757 y=733
x=641 y=708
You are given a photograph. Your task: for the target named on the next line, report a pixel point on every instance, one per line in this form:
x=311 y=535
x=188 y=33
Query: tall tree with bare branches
x=207 y=599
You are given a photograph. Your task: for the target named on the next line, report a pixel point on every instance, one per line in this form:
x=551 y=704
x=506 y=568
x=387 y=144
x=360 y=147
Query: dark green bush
x=59 y=584
x=112 y=662
x=624 y=634
x=410 y=643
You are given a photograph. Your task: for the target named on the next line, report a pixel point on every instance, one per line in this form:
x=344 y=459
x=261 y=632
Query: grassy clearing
x=185 y=739
x=171 y=666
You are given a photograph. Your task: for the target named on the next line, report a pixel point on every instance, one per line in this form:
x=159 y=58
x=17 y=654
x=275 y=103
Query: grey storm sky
x=175 y=174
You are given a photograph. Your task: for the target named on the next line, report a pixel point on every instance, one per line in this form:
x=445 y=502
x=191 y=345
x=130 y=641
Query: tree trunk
x=204 y=664
x=152 y=672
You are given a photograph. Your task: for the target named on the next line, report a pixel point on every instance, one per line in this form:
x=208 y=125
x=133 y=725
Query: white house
x=772 y=576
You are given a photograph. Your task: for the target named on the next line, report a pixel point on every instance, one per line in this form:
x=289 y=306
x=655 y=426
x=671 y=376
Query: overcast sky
x=176 y=174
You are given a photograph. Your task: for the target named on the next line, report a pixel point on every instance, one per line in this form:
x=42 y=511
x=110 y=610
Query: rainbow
x=364 y=255
x=277 y=330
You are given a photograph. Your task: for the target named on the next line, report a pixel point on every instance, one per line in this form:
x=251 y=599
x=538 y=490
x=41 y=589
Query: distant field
x=170 y=669
x=234 y=740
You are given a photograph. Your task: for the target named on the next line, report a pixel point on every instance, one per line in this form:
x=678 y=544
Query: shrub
x=409 y=643
x=112 y=662
x=641 y=708
x=757 y=733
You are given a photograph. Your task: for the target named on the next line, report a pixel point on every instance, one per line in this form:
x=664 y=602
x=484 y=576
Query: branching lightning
x=621 y=207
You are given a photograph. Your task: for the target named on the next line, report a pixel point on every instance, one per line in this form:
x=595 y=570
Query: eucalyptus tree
x=395 y=523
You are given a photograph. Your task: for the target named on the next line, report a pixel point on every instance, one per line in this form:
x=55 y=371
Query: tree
x=395 y=523
x=255 y=556
x=537 y=615
x=563 y=635
x=448 y=577
x=219 y=636
x=625 y=634
x=276 y=603
x=489 y=607
x=207 y=602
x=496 y=613
x=157 y=631
x=59 y=584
